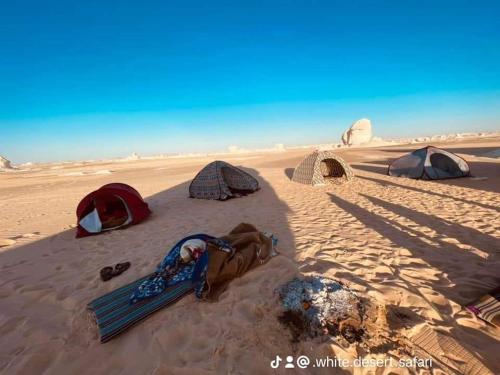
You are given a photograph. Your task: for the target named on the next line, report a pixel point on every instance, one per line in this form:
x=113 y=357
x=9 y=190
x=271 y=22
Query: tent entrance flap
x=445 y=164
x=108 y=212
x=111 y=206
x=91 y=222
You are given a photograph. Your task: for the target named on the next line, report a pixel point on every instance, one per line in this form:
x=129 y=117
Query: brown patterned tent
x=321 y=167
x=220 y=180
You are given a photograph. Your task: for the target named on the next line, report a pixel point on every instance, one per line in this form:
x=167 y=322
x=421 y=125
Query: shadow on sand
x=48 y=283
x=478 y=169
x=452 y=282
x=388 y=182
x=465 y=235
x=289 y=172
x=445 y=256
x=371 y=168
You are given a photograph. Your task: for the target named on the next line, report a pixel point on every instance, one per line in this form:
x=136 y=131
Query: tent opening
x=331 y=168
x=445 y=163
x=234 y=182
x=106 y=212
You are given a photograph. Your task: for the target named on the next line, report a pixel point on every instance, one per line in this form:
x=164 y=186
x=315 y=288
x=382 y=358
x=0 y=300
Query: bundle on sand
x=251 y=248
x=226 y=258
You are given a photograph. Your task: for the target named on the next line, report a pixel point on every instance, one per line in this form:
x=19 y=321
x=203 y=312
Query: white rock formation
x=236 y=150
x=280 y=147
x=133 y=156
x=359 y=133
x=4 y=163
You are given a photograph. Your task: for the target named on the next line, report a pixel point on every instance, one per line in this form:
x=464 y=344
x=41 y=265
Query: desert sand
x=419 y=250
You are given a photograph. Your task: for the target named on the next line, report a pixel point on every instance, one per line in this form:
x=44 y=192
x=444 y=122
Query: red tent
x=111 y=206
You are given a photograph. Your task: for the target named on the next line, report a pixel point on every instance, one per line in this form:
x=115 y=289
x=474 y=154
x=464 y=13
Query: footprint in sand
x=4 y=242
x=26 y=235
x=30 y=235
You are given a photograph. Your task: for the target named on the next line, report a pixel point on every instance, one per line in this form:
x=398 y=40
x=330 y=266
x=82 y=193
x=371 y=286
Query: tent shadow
x=445 y=256
x=480 y=169
x=289 y=172
x=444 y=227
x=390 y=182
x=370 y=168
x=48 y=282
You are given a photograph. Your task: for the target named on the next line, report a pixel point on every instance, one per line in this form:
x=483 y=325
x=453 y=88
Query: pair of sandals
x=107 y=273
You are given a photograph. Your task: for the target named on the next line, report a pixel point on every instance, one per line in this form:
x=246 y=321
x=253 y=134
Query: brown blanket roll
x=251 y=248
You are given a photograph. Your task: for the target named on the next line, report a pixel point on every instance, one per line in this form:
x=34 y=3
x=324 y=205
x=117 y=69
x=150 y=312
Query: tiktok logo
x=275 y=363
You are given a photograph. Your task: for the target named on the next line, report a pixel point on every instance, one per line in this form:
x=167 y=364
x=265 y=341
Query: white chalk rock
x=133 y=156
x=4 y=163
x=359 y=133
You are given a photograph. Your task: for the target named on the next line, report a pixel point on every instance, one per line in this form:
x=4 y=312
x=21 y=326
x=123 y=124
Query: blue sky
x=84 y=80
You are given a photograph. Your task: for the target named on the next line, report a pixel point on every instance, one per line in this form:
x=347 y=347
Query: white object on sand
x=359 y=133
x=191 y=246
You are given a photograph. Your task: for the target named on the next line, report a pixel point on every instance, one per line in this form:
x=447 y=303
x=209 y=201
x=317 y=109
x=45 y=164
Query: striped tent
x=220 y=180
x=321 y=167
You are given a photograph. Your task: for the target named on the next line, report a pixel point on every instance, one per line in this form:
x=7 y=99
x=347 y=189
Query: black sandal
x=121 y=268
x=107 y=273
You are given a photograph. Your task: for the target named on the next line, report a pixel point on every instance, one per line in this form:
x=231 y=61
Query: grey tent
x=220 y=180
x=321 y=167
x=429 y=163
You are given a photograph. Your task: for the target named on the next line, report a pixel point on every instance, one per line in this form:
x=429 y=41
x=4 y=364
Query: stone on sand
x=359 y=133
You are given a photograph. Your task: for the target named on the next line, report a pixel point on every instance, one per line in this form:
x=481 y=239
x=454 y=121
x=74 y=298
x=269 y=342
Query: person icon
x=289 y=362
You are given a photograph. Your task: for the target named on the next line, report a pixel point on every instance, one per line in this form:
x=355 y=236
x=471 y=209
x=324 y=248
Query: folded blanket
x=225 y=258
x=172 y=271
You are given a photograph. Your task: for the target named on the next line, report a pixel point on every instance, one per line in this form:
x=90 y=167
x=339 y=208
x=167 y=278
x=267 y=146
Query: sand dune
x=418 y=250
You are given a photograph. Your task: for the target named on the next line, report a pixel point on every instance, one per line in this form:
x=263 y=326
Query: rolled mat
x=487 y=307
x=114 y=314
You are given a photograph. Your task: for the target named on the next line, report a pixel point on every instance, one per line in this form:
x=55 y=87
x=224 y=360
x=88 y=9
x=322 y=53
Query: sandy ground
x=418 y=249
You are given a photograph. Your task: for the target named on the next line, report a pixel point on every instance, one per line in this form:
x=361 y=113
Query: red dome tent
x=110 y=207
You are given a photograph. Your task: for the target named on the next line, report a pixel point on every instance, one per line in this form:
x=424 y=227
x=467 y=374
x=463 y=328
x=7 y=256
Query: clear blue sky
x=93 y=79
